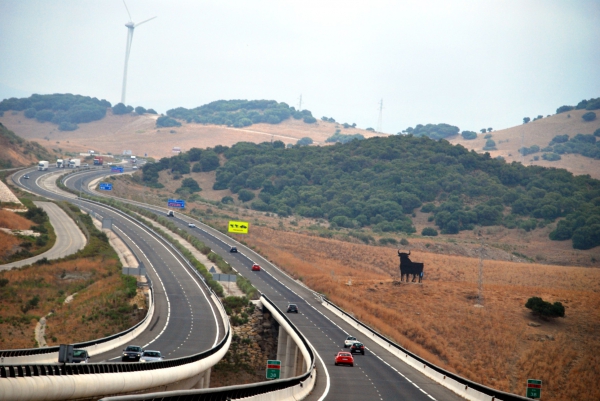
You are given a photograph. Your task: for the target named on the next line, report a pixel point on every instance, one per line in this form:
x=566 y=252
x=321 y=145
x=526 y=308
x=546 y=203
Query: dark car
x=357 y=348
x=80 y=356
x=26 y=176
x=132 y=353
x=292 y=308
x=233 y=249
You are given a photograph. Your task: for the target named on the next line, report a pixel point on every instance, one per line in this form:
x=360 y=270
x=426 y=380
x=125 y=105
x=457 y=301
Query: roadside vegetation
x=101 y=306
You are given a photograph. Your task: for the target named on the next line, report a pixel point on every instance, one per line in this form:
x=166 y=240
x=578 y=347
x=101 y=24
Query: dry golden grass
x=540 y=132
x=8 y=244
x=493 y=345
x=14 y=221
x=138 y=133
x=97 y=283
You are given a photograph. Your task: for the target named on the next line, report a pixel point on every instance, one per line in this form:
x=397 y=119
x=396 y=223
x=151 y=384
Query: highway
x=69 y=238
x=375 y=376
x=185 y=320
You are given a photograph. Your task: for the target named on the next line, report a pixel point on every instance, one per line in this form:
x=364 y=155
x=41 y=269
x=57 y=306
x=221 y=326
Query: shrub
x=165 y=121
x=244 y=195
x=429 y=232
x=589 y=116
x=545 y=309
x=404 y=241
x=309 y=119
x=563 y=109
x=304 y=141
x=551 y=157
x=469 y=135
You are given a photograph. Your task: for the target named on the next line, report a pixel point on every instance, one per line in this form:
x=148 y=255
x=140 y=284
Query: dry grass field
x=139 y=134
x=500 y=344
x=14 y=221
x=94 y=312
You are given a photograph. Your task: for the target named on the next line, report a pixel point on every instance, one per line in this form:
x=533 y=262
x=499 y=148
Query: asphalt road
x=69 y=238
x=377 y=375
x=185 y=321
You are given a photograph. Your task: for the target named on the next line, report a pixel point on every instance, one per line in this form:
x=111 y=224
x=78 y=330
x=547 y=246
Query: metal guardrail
x=471 y=384
x=231 y=392
x=33 y=370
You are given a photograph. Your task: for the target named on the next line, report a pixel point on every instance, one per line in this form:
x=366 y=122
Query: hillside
x=17 y=152
x=540 y=133
x=115 y=133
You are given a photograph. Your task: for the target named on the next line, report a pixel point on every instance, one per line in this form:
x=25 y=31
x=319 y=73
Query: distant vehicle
x=357 y=348
x=80 y=356
x=60 y=163
x=74 y=163
x=191 y=225
x=26 y=176
x=133 y=159
x=292 y=308
x=132 y=352
x=255 y=268
x=91 y=152
x=109 y=163
x=43 y=165
x=98 y=161
x=85 y=165
x=151 y=356
x=349 y=341
x=170 y=213
x=135 y=167
x=233 y=249
x=344 y=358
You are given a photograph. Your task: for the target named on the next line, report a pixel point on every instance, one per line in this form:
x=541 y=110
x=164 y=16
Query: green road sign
x=273 y=369
x=534 y=388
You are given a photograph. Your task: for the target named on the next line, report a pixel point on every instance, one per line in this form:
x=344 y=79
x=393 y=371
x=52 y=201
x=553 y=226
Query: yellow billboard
x=238 y=227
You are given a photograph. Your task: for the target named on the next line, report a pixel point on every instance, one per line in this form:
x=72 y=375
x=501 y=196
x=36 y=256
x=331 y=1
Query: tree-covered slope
x=241 y=113
x=379 y=182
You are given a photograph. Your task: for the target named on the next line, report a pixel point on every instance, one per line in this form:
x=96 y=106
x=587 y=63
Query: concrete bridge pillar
x=291 y=351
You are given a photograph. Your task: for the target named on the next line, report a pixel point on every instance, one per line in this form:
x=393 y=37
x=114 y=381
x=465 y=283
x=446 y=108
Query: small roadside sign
x=116 y=169
x=212 y=270
x=105 y=186
x=534 y=389
x=273 y=369
x=238 y=227
x=176 y=203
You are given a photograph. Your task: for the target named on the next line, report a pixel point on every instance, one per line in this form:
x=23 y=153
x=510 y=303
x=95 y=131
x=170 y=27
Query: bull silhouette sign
x=407 y=267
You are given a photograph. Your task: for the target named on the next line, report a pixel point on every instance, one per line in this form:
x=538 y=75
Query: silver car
x=151 y=356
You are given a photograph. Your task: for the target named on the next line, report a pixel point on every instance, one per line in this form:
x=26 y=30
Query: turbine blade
x=143 y=22
x=127 y=10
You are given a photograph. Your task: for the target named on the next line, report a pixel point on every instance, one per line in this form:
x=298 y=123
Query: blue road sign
x=116 y=169
x=176 y=203
x=105 y=186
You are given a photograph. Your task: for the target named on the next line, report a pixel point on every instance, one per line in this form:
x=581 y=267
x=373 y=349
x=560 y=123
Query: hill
x=540 y=133
x=115 y=133
x=17 y=152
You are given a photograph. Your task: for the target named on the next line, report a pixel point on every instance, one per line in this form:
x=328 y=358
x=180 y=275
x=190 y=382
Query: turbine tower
x=130 y=27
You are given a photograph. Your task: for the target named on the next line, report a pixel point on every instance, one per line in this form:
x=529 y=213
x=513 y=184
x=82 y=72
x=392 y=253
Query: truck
x=170 y=213
x=98 y=161
x=43 y=165
x=60 y=163
x=133 y=159
x=74 y=163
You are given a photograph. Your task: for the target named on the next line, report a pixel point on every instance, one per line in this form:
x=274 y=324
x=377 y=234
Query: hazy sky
x=473 y=64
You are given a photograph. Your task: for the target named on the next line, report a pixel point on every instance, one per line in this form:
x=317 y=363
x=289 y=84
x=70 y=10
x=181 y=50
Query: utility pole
x=380 y=120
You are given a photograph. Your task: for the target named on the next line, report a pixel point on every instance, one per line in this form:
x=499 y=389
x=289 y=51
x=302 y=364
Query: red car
x=344 y=358
x=255 y=268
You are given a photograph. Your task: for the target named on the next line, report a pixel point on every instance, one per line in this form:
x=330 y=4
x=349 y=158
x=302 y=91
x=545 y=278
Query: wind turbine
x=130 y=27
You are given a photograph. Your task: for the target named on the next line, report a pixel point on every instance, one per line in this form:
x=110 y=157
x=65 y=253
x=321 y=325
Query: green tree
x=469 y=135
x=165 y=121
x=526 y=120
x=140 y=110
x=244 y=195
x=304 y=141
x=429 y=232
x=209 y=160
x=120 y=108
x=545 y=309
x=589 y=116
x=191 y=185
x=483 y=130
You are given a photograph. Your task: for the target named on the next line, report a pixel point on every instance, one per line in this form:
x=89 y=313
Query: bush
x=165 y=121
x=469 y=135
x=563 y=109
x=589 y=116
x=545 y=309
x=304 y=141
x=429 y=232
x=551 y=157
x=227 y=200
x=309 y=119
x=120 y=108
x=244 y=195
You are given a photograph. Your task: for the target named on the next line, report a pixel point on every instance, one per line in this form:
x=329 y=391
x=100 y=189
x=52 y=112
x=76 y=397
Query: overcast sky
x=473 y=64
